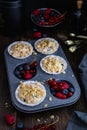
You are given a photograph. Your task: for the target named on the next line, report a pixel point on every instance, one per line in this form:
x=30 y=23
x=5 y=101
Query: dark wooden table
x=30 y=120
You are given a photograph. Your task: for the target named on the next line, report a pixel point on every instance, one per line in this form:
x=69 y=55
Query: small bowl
x=20 y=49
x=46 y=45
x=46 y=17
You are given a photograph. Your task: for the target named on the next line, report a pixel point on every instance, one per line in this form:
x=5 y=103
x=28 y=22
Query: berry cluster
x=26 y=71
x=46 y=17
x=61 y=89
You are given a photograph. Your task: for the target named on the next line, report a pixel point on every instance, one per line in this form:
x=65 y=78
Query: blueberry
x=20 y=125
x=53 y=91
x=44 y=35
x=71 y=89
x=17 y=72
x=35 y=30
x=19 y=76
x=52 y=13
x=20 y=67
x=42 y=19
x=65 y=91
x=26 y=67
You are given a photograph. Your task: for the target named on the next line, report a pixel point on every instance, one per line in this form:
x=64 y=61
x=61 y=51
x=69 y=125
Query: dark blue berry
x=53 y=91
x=35 y=30
x=20 y=125
x=71 y=89
x=26 y=67
x=20 y=67
x=19 y=76
x=44 y=35
x=17 y=72
x=65 y=91
x=52 y=13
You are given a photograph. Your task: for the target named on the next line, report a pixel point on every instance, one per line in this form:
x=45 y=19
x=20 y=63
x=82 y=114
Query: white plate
x=20 y=50
x=30 y=104
x=46 y=50
x=38 y=17
x=62 y=60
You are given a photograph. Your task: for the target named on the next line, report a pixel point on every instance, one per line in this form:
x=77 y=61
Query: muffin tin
x=50 y=101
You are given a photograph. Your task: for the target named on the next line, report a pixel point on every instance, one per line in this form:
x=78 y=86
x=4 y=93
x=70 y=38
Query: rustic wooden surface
x=30 y=120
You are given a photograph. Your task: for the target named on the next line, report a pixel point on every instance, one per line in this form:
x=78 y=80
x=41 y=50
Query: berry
x=20 y=67
x=27 y=76
x=44 y=35
x=65 y=91
x=26 y=67
x=17 y=72
x=70 y=94
x=63 y=85
x=33 y=65
x=35 y=30
x=20 y=125
x=10 y=119
x=60 y=95
x=37 y=34
x=19 y=76
x=53 y=91
x=71 y=89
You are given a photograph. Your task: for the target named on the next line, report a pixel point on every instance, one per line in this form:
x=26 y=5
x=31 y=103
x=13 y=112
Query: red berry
x=10 y=119
x=36 y=12
x=27 y=76
x=37 y=34
x=53 y=82
x=60 y=95
x=63 y=85
x=33 y=64
x=55 y=87
x=70 y=94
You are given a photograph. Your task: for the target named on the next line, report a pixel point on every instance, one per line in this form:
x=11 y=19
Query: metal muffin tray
x=12 y=63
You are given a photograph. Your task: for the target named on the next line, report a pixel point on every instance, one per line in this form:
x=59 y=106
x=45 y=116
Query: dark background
x=61 y=5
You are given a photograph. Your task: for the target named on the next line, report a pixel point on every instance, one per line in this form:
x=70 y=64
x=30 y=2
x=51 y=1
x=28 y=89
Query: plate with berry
x=46 y=17
x=30 y=93
x=20 y=49
x=53 y=64
x=46 y=45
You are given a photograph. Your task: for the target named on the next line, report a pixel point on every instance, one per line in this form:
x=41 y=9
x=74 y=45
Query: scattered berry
x=20 y=125
x=35 y=30
x=44 y=35
x=10 y=119
x=37 y=34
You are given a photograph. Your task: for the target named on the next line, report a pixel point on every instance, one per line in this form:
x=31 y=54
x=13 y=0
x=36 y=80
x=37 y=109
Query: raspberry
x=60 y=95
x=70 y=94
x=10 y=119
x=37 y=34
x=27 y=76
